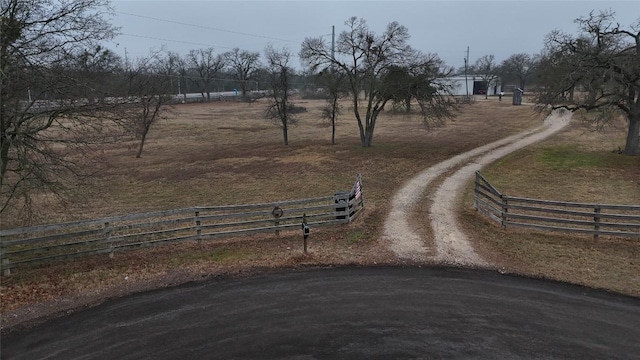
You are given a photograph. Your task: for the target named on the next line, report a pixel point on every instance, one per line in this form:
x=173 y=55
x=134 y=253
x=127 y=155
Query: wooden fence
x=585 y=218
x=37 y=244
x=464 y=99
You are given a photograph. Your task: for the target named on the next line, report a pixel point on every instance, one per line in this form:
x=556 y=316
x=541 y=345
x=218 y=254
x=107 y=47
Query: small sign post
x=305 y=231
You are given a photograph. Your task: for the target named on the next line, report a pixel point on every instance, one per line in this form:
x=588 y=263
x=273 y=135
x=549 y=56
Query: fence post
x=198 y=227
x=277 y=213
x=361 y=189
x=596 y=220
x=107 y=237
x=475 y=191
x=505 y=210
x=5 y=262
x=341 y=204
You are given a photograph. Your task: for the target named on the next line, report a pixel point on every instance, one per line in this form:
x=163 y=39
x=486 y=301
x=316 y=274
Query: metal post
x=333 y=42
x=466 y=82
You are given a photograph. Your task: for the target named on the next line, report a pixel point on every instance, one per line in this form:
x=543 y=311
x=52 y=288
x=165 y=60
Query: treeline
x=98 y=73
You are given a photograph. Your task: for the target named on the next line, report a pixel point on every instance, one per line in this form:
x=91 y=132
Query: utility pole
x=466 y=82
x=333 y=42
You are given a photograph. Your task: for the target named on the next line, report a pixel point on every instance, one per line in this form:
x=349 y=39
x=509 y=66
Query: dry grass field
x=226 y=153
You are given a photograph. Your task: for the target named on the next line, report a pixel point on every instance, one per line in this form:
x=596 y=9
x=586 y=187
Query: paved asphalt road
x=366 y=313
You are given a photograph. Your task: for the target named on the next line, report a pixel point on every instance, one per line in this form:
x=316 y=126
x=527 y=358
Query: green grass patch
x=355 y=236
x=565 y=157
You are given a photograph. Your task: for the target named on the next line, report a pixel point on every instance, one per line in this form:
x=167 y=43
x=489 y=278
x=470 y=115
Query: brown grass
x=226 y=153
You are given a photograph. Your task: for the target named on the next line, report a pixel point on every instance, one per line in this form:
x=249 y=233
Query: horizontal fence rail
x=585 y=218
x=46 y=243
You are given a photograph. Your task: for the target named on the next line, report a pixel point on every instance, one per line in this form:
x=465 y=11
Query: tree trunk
x=285 y=134
x=363 y=137
x=243 y=88
x=407 y=102
x=334 y=110
x=356 y=112
x=333 y=130
x=632 y=147
x=369 y=131
x=143 y=138
x=369 y=139
x=4 y=156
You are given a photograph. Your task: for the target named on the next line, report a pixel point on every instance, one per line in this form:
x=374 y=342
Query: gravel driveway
x=451 y=245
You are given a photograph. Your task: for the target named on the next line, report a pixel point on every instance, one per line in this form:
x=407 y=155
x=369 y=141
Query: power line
x=206 y=27
x=175 y=41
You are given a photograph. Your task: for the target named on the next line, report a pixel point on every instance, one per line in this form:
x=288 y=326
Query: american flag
x=357 y=189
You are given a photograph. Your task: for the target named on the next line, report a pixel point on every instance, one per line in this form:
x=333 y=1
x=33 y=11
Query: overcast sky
x=500 y=28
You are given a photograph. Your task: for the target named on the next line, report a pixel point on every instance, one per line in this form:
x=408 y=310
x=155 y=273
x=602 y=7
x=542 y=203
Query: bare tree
x=95 y=68
x=208 y=66
x=366 y=59
x=150 y=84
x=432 y=89
x=520 y=66
x=604 y=61
x=487 y=69
x=553 y=67
x=42 y=119
x=334 y=83
x=280 y=73
x=179 y=67
x=243 y=65
x=171 y=66
x=424 y=79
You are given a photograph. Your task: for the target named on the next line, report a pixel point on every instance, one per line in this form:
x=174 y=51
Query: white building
x=474 y=85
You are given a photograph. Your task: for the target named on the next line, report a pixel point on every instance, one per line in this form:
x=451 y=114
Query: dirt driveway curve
x=451 y=245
